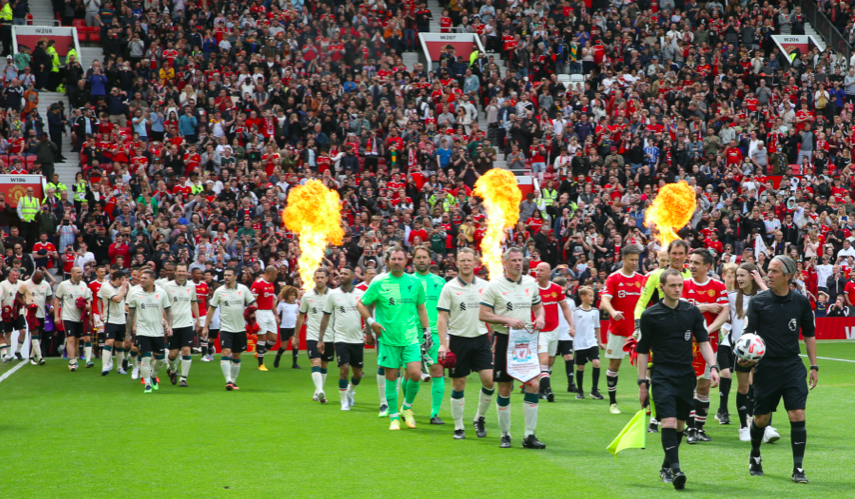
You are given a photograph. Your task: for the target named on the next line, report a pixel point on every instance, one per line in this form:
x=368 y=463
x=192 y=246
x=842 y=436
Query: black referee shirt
x=668 y=332
x=778 y=320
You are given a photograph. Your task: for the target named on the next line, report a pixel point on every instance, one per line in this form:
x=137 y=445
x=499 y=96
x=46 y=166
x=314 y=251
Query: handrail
x=834 y=39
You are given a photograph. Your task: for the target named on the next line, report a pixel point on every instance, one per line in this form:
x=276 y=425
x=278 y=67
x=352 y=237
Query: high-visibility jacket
x=57 y=187
x=54 y=58
x=30 y=208
x=6 y=13
x=80 y=191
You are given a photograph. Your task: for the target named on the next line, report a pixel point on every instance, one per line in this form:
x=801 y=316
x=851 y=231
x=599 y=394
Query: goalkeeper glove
x=428 y=340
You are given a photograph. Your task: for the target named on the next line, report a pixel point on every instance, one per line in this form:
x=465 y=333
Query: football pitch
x=83 y=435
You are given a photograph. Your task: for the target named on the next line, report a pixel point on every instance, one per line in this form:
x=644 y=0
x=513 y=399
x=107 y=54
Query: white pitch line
x=12 y=371
x=805 y=356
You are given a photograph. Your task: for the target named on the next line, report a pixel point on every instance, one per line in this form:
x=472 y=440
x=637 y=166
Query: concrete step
x=89 y=54
x=410 y=59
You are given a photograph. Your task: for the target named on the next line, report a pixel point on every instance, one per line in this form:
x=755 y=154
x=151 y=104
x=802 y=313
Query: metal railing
x=834 y=39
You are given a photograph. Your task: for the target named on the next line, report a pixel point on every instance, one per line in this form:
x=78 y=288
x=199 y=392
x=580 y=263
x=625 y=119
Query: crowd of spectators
x=200 y=117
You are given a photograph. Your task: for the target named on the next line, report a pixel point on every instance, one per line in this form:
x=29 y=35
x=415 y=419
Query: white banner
x=523 y=363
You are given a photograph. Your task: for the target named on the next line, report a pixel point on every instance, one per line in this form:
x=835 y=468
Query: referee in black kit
x=777 y=315
x=667 y=329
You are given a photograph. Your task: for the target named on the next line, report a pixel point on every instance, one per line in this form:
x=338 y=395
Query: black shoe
x=531 y=442
x=276 y=362
x=436 y=420
x=572 y=388
x=679 y=479
x=295 y=366
x=722 y=417
x=183 y=383
x=652 y=427
x=702 y=436
x=799 y=475
x=580 y=396
x=125 y=365
x=459 y=434
x=666 y=475
x=550 y=397
x=595 y=394
x=480 y=428
x=173 y=376
x=230 y=386
x=755 y=466
x=692 y=436
x=506 y=442
x=19 y=357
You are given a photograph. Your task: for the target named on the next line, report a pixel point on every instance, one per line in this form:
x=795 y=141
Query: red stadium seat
x=4 y=160
x=79 y=24
x=95 y=34
x=31 y=162
x=797 y=169
x=13 y=157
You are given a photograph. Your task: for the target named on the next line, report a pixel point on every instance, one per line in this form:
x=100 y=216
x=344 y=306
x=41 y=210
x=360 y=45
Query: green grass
x=81 y=435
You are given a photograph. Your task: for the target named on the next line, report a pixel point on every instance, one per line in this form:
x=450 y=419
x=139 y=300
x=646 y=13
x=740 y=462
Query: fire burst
x=498 y=188
x=671 y=211
x=313 y=212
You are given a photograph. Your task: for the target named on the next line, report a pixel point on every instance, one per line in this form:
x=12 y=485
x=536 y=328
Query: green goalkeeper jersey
x=433 y=287
x=396 y=301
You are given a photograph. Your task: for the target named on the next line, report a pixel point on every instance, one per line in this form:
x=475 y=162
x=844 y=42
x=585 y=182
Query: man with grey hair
x=778 y=315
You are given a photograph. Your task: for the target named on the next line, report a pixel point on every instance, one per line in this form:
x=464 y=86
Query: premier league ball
x=750 y=348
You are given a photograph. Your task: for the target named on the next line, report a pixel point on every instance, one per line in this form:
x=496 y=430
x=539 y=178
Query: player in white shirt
x=565 y=341
x=185 y=312
x=232 y=299
x=148 y=307
x=36 y=292
x=457 y=318
x=311 y=313
x=347 y=334
x=509 y=302
x=586 y=342
x=12 y=320
x=112 y=295
x=73 y=299
x=287 y=310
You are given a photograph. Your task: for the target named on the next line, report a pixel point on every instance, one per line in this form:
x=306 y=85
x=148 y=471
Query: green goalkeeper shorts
x=392 y=357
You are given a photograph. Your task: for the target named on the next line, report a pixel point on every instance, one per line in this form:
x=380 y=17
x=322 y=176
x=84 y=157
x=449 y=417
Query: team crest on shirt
x=688 y=335
x=462 y=307
x=711 y=292
x=792 y=325
x=509 y=307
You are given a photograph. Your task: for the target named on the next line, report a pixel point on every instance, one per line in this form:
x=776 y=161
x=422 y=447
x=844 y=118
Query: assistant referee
x=778 y=315
x=667 y=329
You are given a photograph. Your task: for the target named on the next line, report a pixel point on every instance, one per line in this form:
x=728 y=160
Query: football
x=750 y=348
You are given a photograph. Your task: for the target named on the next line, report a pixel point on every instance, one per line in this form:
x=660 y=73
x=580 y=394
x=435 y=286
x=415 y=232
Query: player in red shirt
x=621 y=294
x=710 y=297
x=268 y=324
x=553 y=299
x=202 y=291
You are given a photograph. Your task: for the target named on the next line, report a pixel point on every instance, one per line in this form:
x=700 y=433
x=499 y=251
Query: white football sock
x=318 y=380
x=235 y=371
x=226 y=367
x=37 y=349
x=145 y=370
x=504 y=412
x=530 y=413
x=457 y=412
x=87 y=352
x=186 y=360
x=483 y=403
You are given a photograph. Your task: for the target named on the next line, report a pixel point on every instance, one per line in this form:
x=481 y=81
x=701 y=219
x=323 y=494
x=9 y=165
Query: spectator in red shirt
x=120 y=248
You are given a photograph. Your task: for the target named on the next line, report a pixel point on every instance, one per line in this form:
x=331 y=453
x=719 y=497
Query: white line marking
x=12 y=371
x=805 y=356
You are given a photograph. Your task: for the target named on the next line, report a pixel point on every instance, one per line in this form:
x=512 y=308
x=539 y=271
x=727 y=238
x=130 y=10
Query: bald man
x=553 y=298
x=65 y=308
x=36 y=291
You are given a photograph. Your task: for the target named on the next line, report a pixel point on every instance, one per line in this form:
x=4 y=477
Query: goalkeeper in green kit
x=433 y=286
x=398 y=300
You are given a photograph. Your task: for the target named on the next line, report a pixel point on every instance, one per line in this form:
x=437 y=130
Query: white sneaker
x=315 y=397
x=205 y=358
x=135 y=374
x=771 y=435
x=425 y=377
x=121 y=371
x=345 y=406
x=744 y=434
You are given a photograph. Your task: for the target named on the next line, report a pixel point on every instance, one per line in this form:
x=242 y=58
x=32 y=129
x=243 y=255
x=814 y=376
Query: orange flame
x=313 y=212
x=498 y=188
x=671 y=211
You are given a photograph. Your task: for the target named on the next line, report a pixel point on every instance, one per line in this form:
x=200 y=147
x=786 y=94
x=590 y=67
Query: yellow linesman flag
x=633 y=435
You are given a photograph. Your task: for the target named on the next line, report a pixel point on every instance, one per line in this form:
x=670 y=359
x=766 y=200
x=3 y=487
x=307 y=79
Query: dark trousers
x=56 y=138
